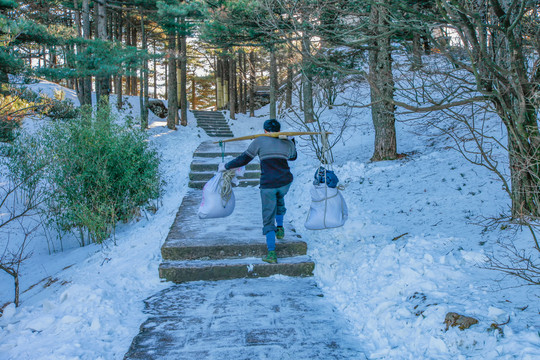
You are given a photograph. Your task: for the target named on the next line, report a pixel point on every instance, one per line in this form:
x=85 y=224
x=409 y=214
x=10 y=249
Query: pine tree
x=231 y=25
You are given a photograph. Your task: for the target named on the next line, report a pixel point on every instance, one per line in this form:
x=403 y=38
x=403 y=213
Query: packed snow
x=412 y=250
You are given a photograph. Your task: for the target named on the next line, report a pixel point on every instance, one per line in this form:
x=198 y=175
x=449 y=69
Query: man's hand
x=282 y=137
x=221 y=167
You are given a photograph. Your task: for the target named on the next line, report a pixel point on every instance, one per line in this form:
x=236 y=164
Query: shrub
x=16 y=103
x=12 y=111
x=98 y=172
x=8 y=125
x=61 y=110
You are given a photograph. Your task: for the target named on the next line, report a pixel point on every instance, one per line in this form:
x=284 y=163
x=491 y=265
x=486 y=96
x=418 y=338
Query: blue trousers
x=273 y=203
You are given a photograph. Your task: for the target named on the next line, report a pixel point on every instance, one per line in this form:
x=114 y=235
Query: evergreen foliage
x=15 y=104
x=97 y=172
x=12 y=110
x=234 y=23
x=168 y=13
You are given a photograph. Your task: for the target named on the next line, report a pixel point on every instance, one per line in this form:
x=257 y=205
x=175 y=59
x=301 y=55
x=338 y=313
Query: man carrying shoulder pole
x=276 y=178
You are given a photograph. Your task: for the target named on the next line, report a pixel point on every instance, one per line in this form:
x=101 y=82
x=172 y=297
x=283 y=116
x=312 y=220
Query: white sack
x=328 y=208
x=212 y=205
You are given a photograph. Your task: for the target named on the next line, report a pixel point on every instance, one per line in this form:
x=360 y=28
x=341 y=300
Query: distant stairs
x=213 y=122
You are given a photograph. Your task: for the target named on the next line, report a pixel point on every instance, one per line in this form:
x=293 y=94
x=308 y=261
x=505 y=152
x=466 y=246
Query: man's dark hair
x=272 y=125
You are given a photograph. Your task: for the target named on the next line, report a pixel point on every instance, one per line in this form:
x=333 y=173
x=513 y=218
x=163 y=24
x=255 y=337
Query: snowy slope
x=89 y=304
x=410 y=252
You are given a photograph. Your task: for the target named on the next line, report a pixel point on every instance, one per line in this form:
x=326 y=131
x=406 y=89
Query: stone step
x=220 y=135
x=216 y=131
x=215 y=128
x=199 y=184
x=216 y=154
x=207 y=175
x=177 y=249
x=210 y=121
x=197 y=270
x=202 y=166
x=210 y=116
x=206 y=112
x=243 y=226
x=199 y=113
x=211 y=148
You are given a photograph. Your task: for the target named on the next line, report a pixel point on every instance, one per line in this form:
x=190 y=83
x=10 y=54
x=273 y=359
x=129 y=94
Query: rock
x=158 y=107
x=461 y=321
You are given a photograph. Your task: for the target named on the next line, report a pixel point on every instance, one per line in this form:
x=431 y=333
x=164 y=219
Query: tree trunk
x=232 y=86
x=193 y=92
x=172 y=118
x=155 y=71
x=219 y=90
x=85 y=84
x=133 y=83
x=183 y=76
x=129 y=68
x=144 y=114
x=417 y=50
x=77 y=48
x=144 y=79
x=53 y=56
x=178 y=72
x=382 y=87
x=225 y=82
x=17 y=288
x=245 y=82
x=118 y=85
x=102 y=81
x=251 y=84
x=289 y=86
x=307 y=80
x=517 y=108
x=166 y=63
x=524 y=192
x=273 y=85
x=241 y=104
x=426 y=45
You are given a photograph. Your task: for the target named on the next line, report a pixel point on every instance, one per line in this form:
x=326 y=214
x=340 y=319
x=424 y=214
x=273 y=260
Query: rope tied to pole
x=222 y=146
x=226 y=186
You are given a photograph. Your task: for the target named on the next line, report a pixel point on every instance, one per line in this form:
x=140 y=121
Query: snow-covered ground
x=411 y=251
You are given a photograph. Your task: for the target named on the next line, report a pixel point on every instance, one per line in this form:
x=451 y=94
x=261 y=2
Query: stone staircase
x=213 y=122
x=228 y=248
x=231 y=247
x=271 y=318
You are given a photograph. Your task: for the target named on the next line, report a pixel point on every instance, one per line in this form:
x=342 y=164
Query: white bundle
x=215 y=203
x=328 y=208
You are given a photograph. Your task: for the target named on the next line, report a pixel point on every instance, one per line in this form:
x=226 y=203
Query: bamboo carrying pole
x=273 y=134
